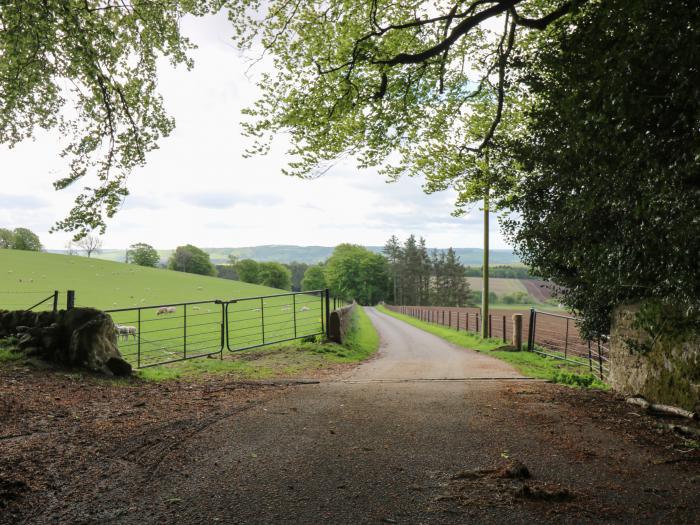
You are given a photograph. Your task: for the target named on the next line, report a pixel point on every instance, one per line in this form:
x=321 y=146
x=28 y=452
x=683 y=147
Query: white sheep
x=125 y=331
x=304 y=309
x=165 y=310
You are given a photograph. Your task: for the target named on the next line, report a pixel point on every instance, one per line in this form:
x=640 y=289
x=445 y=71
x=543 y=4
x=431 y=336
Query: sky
x=197 y=188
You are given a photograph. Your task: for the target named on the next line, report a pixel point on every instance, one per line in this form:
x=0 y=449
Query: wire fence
x=550 y=334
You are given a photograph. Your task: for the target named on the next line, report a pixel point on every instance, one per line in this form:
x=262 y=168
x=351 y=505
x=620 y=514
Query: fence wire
x=549 y=334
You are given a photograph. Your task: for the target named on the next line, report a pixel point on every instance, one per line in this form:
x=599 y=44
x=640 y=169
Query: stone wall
x=80 y=337
x=661 y=371
x=340 y=323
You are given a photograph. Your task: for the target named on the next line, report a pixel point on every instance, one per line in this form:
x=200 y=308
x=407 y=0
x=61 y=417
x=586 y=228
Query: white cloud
x=197 y=188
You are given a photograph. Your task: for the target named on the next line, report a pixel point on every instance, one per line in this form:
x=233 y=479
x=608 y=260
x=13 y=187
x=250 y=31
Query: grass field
x=528 y=363
x=188 y=330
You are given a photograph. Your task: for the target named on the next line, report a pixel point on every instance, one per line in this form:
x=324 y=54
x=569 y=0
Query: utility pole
x=485 y=269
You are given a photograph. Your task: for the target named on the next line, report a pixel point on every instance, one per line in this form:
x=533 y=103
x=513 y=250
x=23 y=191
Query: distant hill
x=307 y=254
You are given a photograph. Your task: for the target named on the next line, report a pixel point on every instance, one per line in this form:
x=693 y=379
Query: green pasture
x=106 y=284
x=196 y=329
x=186 y=331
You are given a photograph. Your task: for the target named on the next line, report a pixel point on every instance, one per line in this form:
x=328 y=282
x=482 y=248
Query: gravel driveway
x=408 y=437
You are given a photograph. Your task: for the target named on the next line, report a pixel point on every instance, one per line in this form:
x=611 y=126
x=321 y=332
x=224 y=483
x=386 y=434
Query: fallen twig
x=662 y=409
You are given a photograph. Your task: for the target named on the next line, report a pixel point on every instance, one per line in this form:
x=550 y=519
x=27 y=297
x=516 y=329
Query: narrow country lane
x=385 y=447
x=408 y=353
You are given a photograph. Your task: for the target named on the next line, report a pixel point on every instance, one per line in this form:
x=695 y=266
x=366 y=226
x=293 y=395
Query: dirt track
x=400 y=451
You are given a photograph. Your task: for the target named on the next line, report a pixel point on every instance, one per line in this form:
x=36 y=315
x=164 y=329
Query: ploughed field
x=133 y=295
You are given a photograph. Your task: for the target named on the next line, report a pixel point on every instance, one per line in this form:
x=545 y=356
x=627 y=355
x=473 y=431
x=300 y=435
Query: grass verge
x=527 y=363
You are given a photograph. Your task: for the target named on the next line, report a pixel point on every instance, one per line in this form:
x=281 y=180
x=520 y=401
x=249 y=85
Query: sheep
x=165 y=310
x=125 y=331
x=304 y=309
x=195 y=308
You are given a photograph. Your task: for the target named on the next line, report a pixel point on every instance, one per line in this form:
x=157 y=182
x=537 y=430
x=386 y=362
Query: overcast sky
x=198 y=189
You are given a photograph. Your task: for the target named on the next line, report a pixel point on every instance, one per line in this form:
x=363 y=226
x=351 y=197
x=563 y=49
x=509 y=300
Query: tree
x=298 y=270
x=354 y=272
x=435 y=279
x=412 y=88
x=610 y=156
x=314 y=278
x=227 y=271
x=6 y=238
x=191 y=259
x=392 y=251
x=90 y=244
x=143 y=254
x=275 y=275
x=70 y=248
x=25 y=239
x=248 y=271
x=89 y=69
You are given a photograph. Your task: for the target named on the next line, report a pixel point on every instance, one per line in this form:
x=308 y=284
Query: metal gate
x=167 y=333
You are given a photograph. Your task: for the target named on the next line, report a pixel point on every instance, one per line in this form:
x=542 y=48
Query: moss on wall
x=662 y=369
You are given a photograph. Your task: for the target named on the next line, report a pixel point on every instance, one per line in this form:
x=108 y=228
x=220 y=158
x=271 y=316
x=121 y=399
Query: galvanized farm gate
x=167 y=333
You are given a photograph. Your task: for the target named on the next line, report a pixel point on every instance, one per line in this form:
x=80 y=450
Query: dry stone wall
x=659 y=370
x=340 y=323
x=80 y=337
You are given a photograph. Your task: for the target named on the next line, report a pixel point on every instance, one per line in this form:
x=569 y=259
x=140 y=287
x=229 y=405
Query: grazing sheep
x=304 y=309
x=165 y=310
x=123 y=332
x=200 y=288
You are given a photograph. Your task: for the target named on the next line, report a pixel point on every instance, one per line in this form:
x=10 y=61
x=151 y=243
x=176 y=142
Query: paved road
x=368 y=451
x=408 y=353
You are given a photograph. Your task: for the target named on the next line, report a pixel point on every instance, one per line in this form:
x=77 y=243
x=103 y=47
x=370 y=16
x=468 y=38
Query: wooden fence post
x=518 y=331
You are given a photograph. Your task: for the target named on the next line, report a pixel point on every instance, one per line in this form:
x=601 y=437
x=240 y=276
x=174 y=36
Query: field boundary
x=548 y=334
x=154 y=335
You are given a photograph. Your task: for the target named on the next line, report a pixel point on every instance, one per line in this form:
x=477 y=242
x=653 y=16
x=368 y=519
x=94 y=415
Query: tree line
x=422 y=278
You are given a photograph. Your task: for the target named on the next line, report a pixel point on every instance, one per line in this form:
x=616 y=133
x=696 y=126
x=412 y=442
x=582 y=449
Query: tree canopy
x=20 y=239
x=275 y=275
x=417 y=88
x=142 y=254
x=191 y=259
x=314 y=278
x=248 y=271
x=355 y=273
x=610 y=158
x=88 y=69
x=422 y=278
